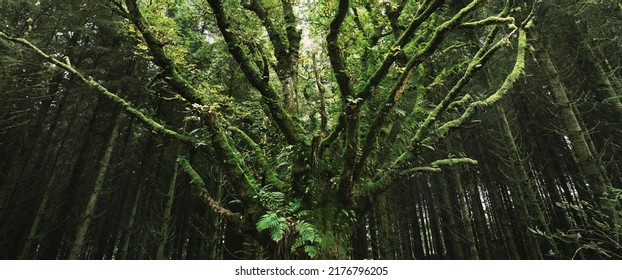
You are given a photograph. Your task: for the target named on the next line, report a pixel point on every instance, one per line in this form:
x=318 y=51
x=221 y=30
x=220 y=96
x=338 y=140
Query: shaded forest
x=306 y=129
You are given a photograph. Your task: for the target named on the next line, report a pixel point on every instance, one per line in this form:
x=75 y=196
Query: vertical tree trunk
x=523 y=192
x=373 y=230
x=466 y=216
x=125 y=243
x=89 y=211
x=359 y=240
x=387 y=237
x=587 y=162
x=166 y=220
x=416 y=226
x=433 y=206
x=479 y=218
x=450 y=228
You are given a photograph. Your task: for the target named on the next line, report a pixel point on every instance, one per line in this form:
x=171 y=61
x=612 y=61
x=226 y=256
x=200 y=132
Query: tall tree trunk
x=450 y=228
x=479 y=217
x=89 y=211
x=523 y=191
x=466 y=216
x=587 y=162
x=387 y=237
x=166 y=220
x=416 y=226
x=359 y=240
x=125 y=243
x=433 y=203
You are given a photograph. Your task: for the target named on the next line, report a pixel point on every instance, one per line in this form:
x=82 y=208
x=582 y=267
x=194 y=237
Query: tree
x=279 y=113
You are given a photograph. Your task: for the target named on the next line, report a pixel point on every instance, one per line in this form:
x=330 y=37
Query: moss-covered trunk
x=587 y=162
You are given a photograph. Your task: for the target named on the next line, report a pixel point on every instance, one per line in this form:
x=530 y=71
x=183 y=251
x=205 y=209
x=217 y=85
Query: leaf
x=274 y=223
x=311 y=250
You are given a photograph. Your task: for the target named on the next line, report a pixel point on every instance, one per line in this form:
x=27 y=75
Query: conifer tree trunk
x=479 y=218
x=170 y=197
x=89 y=211
x=450 y=228
x=466 y=216
x=587 y=162
x=523 y=191
x=359 y=240
x=125 y=243
x=387 y=237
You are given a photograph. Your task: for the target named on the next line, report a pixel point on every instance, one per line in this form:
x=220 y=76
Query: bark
x=387 y=234
x=416 y=226
x=479 y=218
x=450 y=227
x=435 y=231
x=588 y=163
x=466 y=217
x=359 y=240
x=523 y=194
x=89 y=211
x=166 y=219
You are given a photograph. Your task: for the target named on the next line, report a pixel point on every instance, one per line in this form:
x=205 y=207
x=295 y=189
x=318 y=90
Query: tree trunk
x=450 y=228
x=466 y=216
x=83 y=227
x=587 y=162
x=166 y=220
x=523 y=193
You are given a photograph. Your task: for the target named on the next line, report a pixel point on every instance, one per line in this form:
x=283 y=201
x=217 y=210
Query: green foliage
x=283 y=220
x=275 y=224
x=308 y=238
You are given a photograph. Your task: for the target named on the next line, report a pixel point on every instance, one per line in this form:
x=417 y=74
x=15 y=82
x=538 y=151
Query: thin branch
x=494 y=20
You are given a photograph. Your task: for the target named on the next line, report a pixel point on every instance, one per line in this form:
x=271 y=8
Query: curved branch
x=382 y=182
x=155 y=126
x=406 y=37
x=261 y=159
x=398 y=88
x=229 y=155
x=156 y=49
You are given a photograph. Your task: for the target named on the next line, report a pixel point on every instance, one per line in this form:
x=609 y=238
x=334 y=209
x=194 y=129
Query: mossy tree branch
x=376 y=188
x=398 y=88
x=366 y=91
x=481 y=57
x=124 y=104
x=202 y=192
x=349 y=104
x=291 y=130
x=226 y=153
x=381 y=182
x=270 y=175
x=494 y=20
x=156 y=50
x=508 y=83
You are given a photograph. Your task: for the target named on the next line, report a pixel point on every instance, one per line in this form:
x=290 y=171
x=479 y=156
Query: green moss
x=453 y=161
x=489 y=21
x=195 y=177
